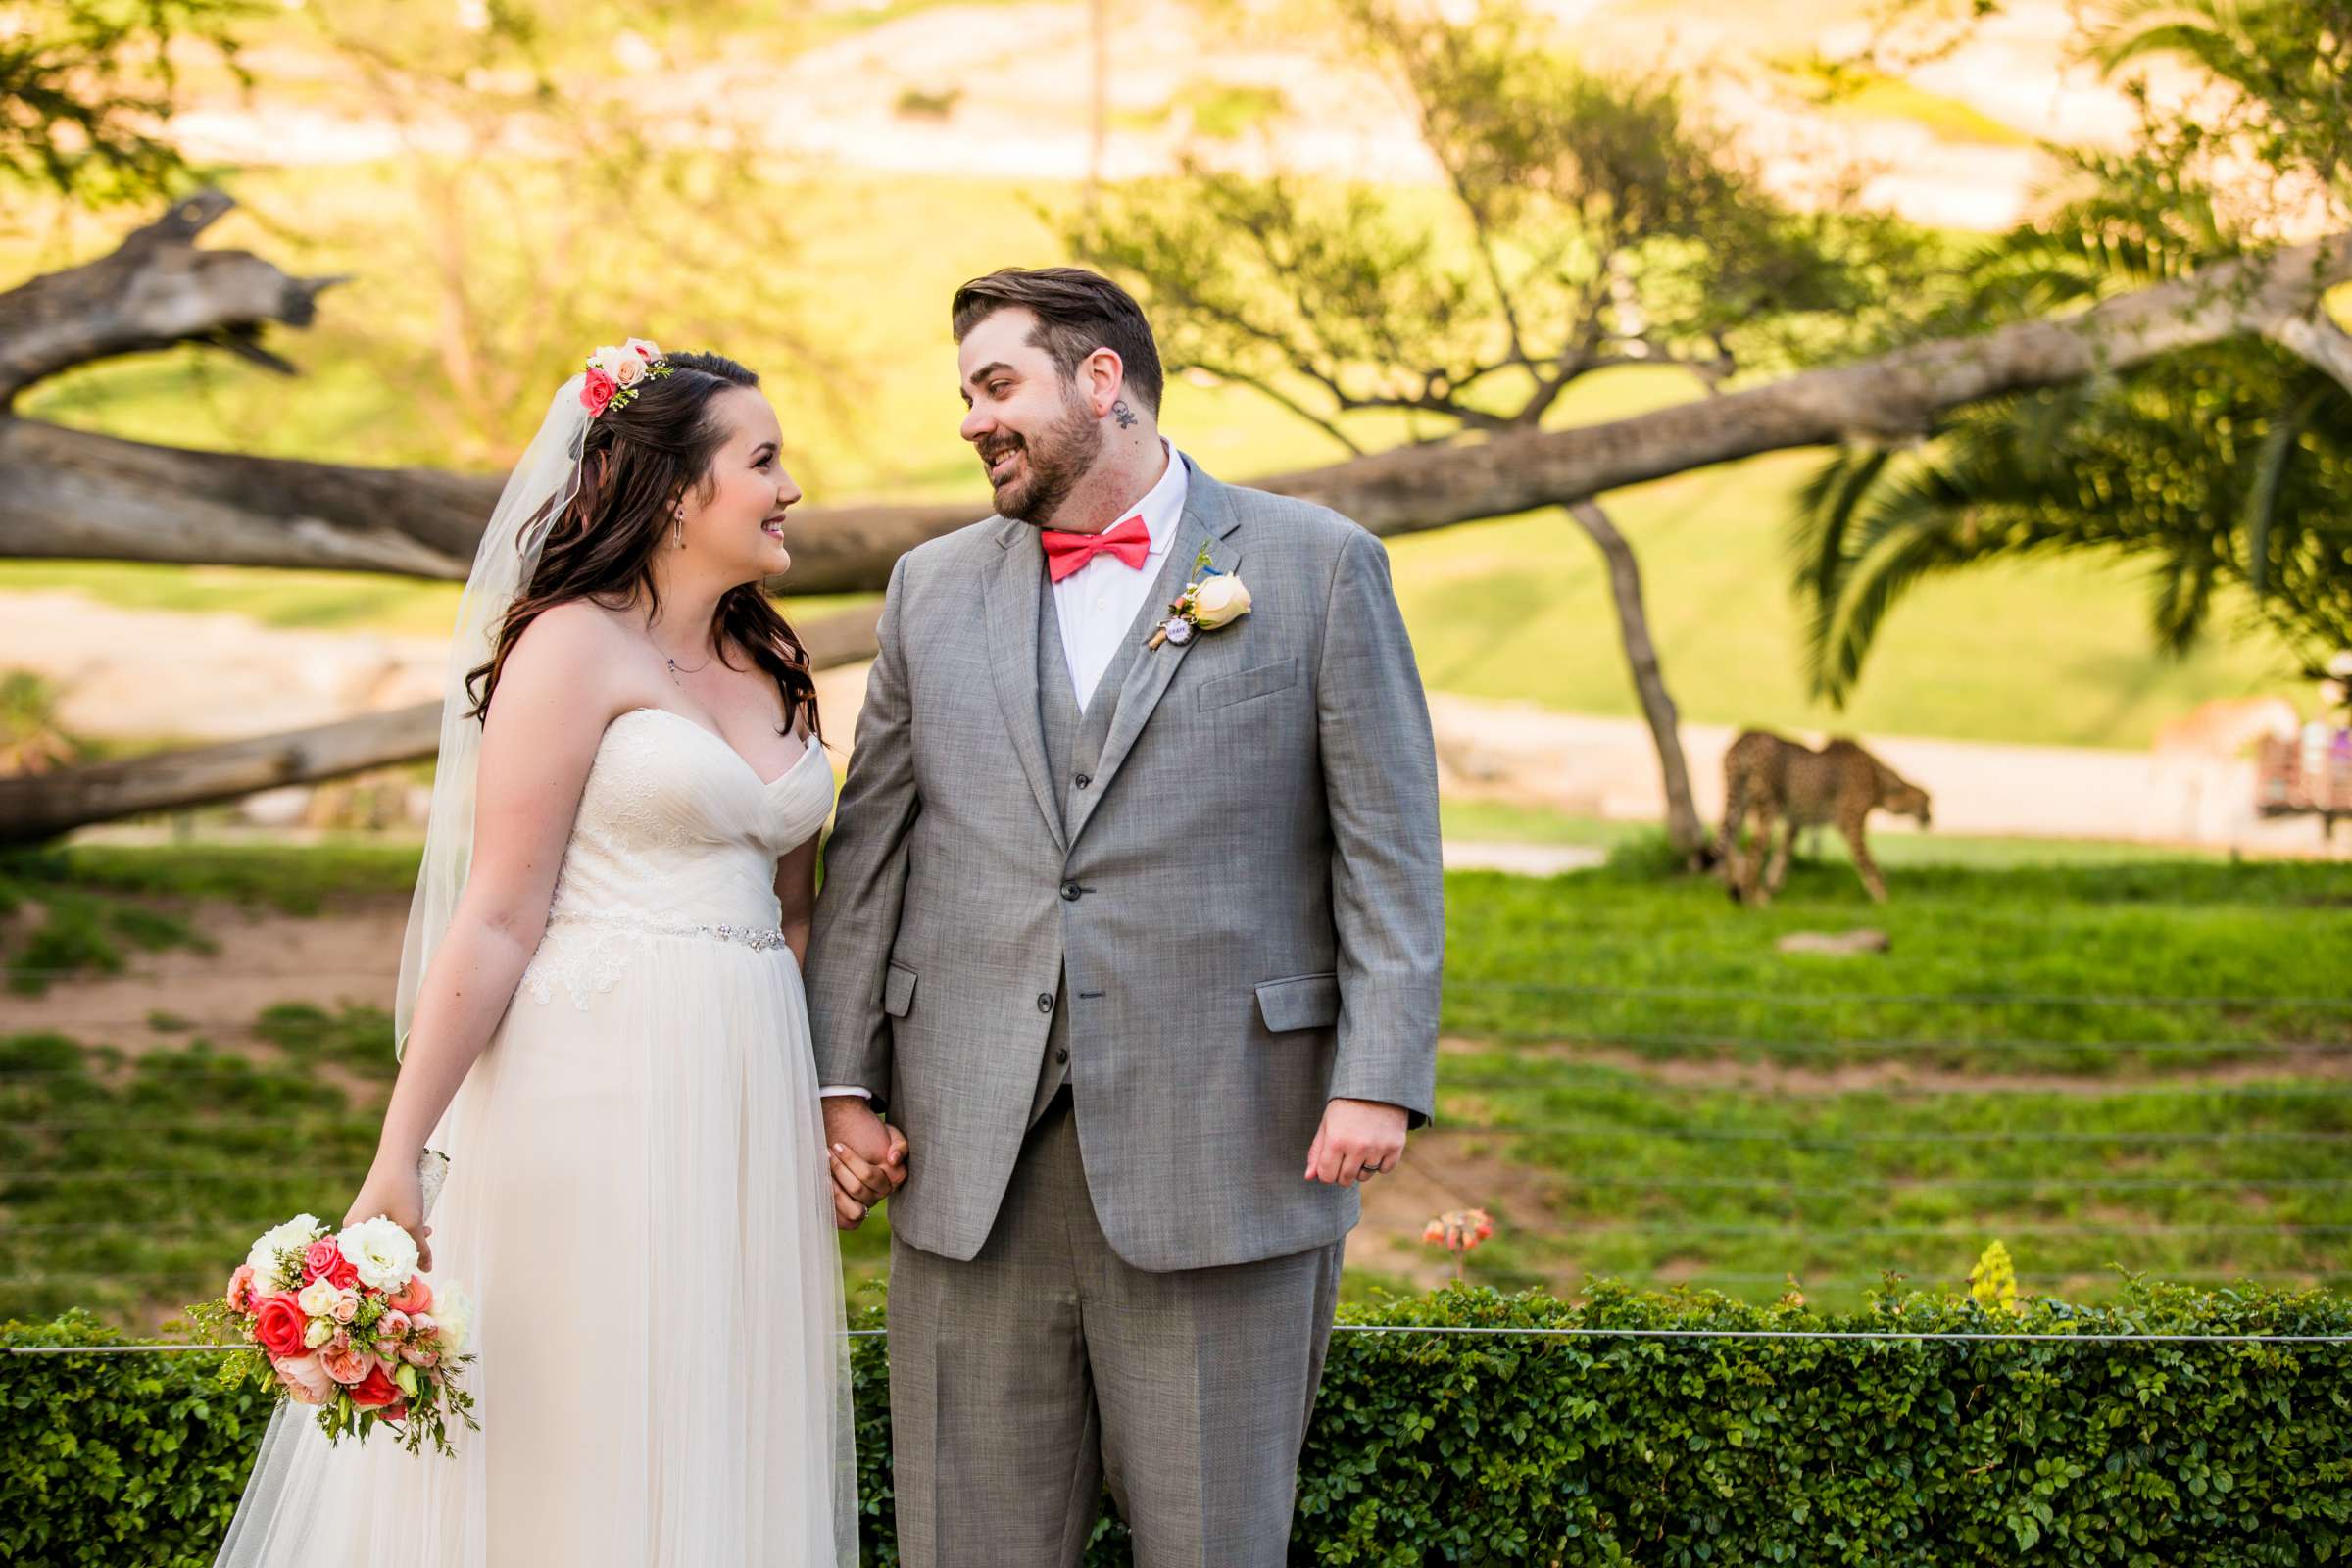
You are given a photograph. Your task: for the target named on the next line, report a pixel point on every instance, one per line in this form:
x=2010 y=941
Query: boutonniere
x=1213 y=600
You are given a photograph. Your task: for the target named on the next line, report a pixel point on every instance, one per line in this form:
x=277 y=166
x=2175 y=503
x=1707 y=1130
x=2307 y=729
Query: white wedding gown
x=638 y=1205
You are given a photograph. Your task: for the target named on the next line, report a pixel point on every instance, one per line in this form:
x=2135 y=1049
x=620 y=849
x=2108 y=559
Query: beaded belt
x=760 y=939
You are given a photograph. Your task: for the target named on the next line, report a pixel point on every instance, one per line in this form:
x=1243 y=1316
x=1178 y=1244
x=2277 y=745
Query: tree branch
x=69 y=493
x=2315 y=336
x=157 y=289
x=41 y=806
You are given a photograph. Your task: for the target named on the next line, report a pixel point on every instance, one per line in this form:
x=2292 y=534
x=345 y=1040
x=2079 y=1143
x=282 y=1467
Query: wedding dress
x=638 y=1205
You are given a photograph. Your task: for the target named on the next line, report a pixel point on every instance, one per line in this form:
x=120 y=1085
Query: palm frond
x=2183 y=601
x=1826 y=507
x=2270 y=461
x=2211 y=32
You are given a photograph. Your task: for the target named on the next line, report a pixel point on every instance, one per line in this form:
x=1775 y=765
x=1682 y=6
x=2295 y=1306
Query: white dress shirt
x=1096 y=604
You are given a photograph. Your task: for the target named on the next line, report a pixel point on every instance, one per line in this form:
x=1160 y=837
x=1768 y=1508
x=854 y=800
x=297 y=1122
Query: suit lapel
x=1207 y=516
x=1008 y=605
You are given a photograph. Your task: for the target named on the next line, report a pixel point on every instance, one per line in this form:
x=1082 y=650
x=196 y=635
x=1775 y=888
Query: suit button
x=1084 y=779
x=1045 y=1002
x=1070 y=891
x=1062 y=1053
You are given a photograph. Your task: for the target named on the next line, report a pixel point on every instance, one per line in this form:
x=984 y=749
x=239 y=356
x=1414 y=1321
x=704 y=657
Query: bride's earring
x=678 y=527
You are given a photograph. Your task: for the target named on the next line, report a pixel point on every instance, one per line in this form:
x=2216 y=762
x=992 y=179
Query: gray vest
x=1073 y=747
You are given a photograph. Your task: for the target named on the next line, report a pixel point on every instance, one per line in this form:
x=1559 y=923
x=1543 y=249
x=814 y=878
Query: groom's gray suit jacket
x=1243 y=887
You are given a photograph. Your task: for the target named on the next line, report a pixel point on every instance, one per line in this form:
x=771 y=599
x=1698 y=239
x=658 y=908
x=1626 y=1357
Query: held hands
x=397 y=1195
x=1360 y=1139
x=868 y=1158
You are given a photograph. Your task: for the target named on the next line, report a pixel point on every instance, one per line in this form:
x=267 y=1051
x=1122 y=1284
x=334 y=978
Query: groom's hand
x=1358 y=1138
x=868 y=1158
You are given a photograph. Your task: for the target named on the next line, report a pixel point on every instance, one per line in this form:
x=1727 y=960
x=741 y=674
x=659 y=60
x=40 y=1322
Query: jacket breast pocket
x=1302 y=1002
x=1243 y=684
x=897 y=991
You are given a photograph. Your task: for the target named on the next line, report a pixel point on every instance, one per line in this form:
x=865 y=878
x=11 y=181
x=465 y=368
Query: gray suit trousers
x=1023 y=1380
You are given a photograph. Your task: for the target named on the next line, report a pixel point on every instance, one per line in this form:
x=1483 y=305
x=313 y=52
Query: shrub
x=1495 y=1449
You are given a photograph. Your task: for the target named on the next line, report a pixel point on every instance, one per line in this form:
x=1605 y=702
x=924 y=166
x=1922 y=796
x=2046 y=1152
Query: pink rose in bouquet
x=376 y=1390
x=304 y=1381
x=347 y=1364
x=412 y=1297
x=239 y=1295
x=323 y=1260
x=279 y=1324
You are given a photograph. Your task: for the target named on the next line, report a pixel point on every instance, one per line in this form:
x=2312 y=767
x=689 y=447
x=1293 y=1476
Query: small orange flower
x=1458 y=1229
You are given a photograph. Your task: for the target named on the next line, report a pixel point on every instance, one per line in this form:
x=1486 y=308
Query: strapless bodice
x=675 y=836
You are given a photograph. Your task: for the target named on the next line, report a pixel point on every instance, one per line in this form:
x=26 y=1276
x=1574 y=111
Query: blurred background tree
x=1585 y=220
x=2218 y=468
x=87 y=88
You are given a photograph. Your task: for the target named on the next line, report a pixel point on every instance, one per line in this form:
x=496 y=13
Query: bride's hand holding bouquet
x=348 y=1324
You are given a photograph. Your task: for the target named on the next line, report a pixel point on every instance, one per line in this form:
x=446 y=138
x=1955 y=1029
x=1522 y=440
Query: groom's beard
x=1051 y=468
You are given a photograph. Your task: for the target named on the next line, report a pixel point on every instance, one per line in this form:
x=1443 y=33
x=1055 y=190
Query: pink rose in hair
x=597 y=391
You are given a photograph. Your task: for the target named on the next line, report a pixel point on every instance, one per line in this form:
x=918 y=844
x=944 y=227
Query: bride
x=604 y=1028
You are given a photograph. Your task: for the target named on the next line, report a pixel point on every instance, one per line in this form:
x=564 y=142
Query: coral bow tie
x=1065 y=553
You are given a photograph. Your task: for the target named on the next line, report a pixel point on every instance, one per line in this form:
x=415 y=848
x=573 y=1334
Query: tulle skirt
x=638 y=1205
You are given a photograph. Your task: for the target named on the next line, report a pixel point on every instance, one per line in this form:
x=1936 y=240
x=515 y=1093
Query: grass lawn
x=2137 y=1063
x=1501 y=822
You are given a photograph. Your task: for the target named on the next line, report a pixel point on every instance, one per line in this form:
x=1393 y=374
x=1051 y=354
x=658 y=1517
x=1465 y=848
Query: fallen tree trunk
x=42 y=806
x=66 y=493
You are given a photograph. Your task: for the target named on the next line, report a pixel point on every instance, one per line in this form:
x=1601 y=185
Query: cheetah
x=1769 y=782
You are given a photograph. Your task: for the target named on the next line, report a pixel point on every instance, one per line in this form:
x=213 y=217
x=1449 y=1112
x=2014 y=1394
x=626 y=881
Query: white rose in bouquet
x=265 y=1260
x=385 y=1254
x=453 y=1315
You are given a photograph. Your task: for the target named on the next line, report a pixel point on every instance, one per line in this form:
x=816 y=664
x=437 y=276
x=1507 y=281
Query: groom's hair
x=1077 y=313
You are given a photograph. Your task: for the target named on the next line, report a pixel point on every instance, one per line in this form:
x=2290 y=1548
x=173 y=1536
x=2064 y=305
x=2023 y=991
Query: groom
x=1132 y=923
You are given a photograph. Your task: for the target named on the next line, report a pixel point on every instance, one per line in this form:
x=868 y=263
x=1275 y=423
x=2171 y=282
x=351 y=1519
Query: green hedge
x=1471 y=1449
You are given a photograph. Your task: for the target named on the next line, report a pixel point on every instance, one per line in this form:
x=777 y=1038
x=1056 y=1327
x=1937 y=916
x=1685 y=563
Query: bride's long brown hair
x=635 y=463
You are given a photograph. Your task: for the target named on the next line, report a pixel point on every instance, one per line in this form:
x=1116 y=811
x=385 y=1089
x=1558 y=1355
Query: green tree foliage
x=88 y=85
x=2218 y=468
x=1589 y=219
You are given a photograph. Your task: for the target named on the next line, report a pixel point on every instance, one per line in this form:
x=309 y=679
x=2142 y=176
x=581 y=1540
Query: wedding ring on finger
x=1367 y=1173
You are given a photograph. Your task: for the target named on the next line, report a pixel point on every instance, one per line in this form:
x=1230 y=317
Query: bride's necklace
x=676 y=669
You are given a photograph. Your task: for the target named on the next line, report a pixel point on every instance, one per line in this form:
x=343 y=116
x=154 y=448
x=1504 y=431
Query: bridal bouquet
x=345 y=1323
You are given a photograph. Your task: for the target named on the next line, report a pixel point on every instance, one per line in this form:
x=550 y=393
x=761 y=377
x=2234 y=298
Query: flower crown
x=615 y=374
